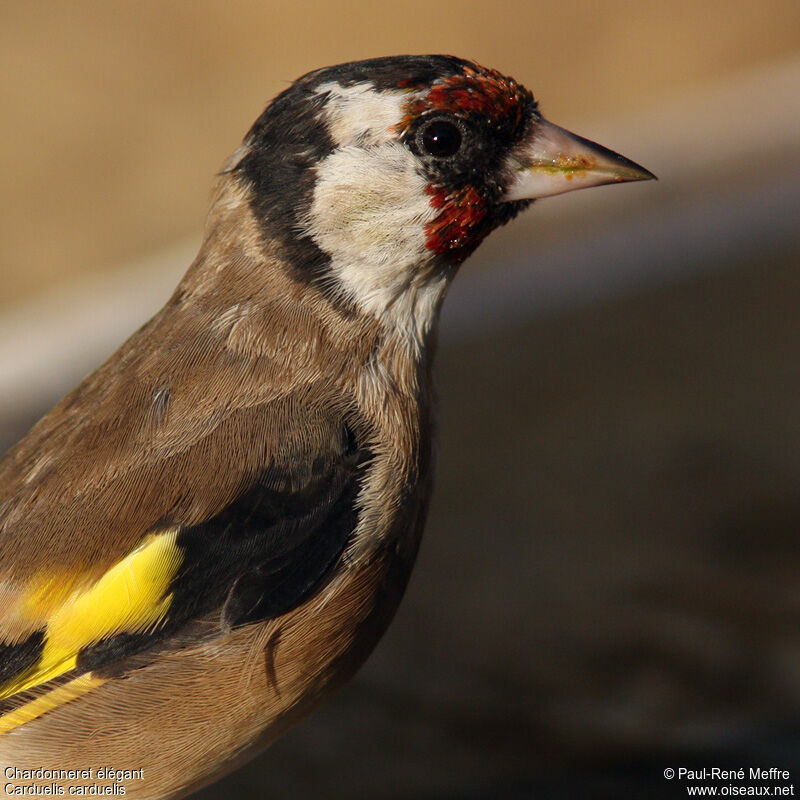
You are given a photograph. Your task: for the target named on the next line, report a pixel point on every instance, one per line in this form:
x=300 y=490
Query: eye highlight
x=440 y=138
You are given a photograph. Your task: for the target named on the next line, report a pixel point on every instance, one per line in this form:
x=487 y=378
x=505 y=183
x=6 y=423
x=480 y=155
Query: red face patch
x=456 y=229
x=474 y=90
x=463 y=219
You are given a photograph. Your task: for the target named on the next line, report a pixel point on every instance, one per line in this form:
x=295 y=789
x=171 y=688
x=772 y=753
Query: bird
x=211 y=533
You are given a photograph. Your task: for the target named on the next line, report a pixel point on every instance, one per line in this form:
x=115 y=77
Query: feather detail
x=33 y=709
x=131 y=597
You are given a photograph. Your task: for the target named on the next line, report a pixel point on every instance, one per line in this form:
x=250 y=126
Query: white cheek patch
x=370 y=208
x=361 y=115
x=369 y=213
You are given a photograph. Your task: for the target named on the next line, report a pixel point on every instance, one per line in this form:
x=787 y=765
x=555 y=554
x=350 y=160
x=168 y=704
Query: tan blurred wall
x=116 y=115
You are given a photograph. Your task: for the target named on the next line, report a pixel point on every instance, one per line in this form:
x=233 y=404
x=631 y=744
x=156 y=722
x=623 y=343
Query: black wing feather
x=260 y=557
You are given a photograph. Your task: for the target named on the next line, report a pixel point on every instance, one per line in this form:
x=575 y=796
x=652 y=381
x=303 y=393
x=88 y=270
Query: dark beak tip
x=636 y=175
x=648 y=176
x=637 y=171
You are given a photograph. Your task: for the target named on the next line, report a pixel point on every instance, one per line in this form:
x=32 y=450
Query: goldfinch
x=215 y=528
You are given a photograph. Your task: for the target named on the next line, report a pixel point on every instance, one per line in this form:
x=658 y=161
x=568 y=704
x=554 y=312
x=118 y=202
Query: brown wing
x=206 y=467
x=177 y=424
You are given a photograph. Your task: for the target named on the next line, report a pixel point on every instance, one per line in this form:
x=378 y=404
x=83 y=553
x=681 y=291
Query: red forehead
x=474 y=90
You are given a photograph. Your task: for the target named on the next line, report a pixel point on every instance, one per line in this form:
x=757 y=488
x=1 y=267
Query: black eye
x=440 y=138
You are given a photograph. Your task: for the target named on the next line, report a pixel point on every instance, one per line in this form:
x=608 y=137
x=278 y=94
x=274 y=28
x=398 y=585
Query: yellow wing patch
x=131 y=597
x=47 y=702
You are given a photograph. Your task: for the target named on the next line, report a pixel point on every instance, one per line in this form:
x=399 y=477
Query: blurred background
x=608 y=583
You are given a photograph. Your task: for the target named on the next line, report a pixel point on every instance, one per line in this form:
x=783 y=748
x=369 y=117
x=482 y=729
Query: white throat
x=369 y=213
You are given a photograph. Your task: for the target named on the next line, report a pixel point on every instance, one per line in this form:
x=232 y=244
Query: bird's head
x=377 y=178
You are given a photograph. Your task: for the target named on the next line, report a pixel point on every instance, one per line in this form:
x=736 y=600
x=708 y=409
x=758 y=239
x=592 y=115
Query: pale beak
x=555 y=161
